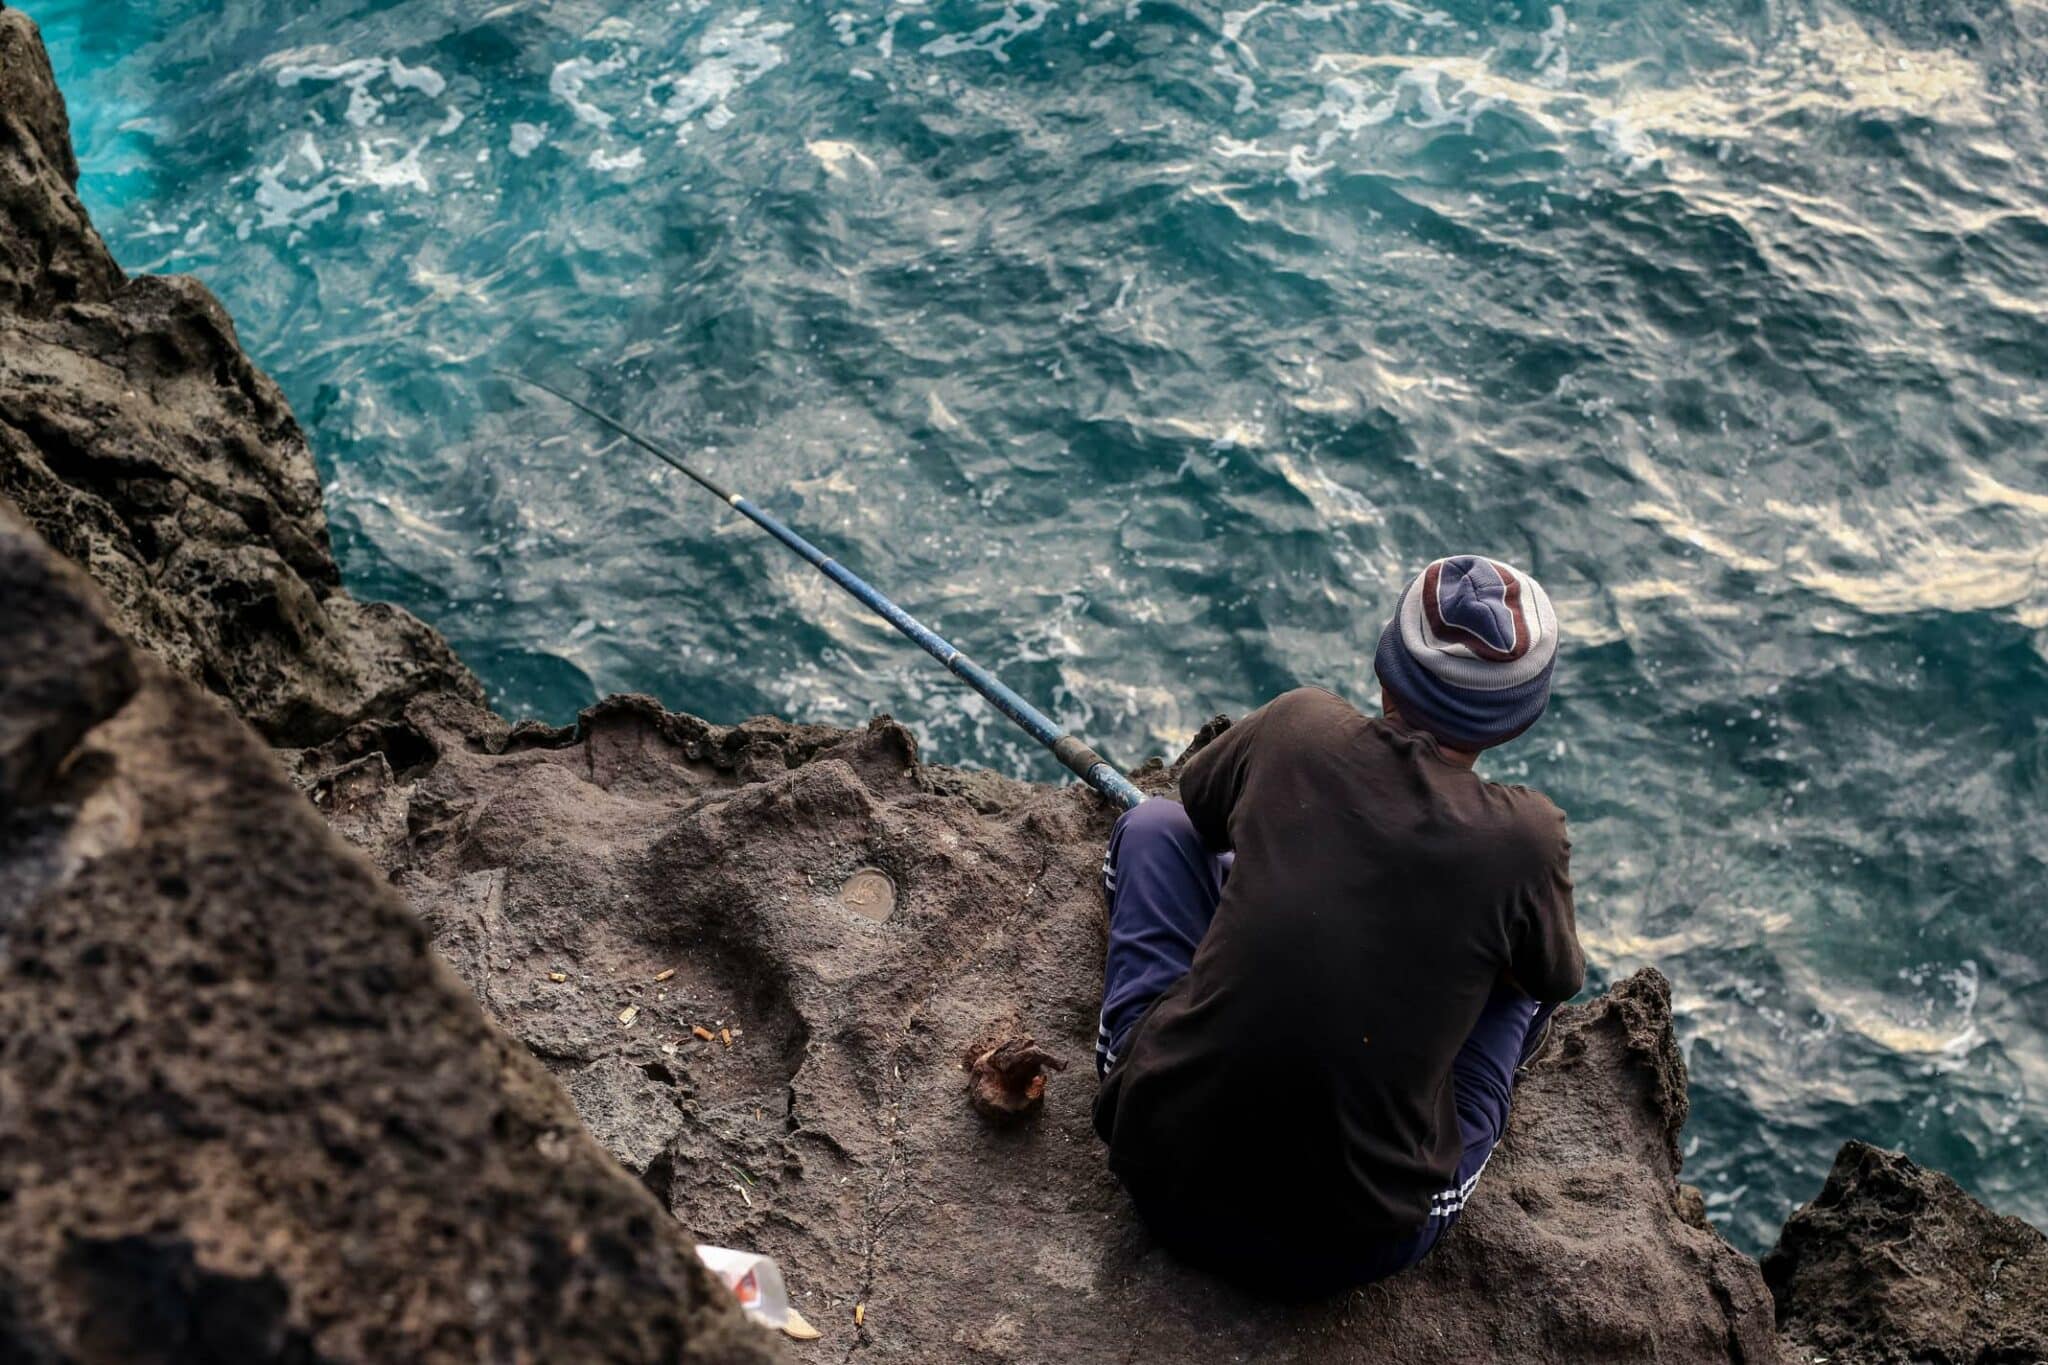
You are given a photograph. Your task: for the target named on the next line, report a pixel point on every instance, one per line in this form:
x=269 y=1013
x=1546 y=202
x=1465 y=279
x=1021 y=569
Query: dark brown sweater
x=1295 y=1085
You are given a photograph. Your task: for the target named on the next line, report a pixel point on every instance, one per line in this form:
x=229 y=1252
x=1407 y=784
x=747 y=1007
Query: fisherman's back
x=1292 y=1091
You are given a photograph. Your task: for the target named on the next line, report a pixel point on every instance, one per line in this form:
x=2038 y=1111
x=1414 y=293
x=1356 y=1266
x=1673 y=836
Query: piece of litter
x=725 y=1035
x=668 y=1049
x=702 y=1032
x=756 y=1281
x=628 y=1015
x=663 y=976
x=860 y=1314
x=743 y=1193
x=558 y=976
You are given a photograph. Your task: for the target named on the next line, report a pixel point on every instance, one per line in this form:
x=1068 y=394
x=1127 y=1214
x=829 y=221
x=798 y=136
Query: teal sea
x=1145 y=347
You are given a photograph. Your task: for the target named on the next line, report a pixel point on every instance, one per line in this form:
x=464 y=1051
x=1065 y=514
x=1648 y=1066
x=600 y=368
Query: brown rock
x=49 y=254
x=1892 y=1264
x=70 y=669
x=245 y=1112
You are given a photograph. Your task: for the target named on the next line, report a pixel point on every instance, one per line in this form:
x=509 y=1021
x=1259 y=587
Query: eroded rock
x=246 y=1113
x=1893 y=1264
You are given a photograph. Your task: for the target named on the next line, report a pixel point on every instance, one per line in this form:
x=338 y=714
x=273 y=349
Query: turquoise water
x=1146 y=348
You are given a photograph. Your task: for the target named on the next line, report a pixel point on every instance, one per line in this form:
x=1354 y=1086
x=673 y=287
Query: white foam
x=568 y=80
x=1432 y=109
x=994 y=38
x=1232 y=41
x=1553 y=62
x=833 y=156
x=1230 y=149
x=1247 y=88
x=630 y=160
x=527 y=139
x=402 y=171
x=1234 y=22
x=1627 y=145
x=365 y=108
x=424 y=79
x=360 y=68
x=279 y=205
x=1305 y=173
x=309 y=151
x=1350 y=107
x=1428 y=18
x=736 y=53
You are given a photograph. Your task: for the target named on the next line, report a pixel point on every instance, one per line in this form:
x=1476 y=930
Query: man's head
x=1470 y=651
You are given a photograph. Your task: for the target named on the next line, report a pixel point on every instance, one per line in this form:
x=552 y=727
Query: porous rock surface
x=246 y=1112
x=1892 y=1264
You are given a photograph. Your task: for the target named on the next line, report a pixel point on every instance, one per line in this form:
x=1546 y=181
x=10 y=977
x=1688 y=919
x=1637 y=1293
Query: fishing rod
x=1090 y=766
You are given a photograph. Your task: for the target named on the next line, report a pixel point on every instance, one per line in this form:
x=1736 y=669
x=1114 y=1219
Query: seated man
x=1328 y=961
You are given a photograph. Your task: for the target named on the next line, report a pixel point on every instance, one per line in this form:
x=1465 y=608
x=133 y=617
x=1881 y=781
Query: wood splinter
x=1006 y=1075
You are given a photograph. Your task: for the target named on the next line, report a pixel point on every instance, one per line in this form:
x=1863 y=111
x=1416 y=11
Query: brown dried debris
x=1006 y=1072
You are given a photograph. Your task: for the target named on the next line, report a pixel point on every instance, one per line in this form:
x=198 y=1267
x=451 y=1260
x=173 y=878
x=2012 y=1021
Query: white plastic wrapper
x=756 y=1281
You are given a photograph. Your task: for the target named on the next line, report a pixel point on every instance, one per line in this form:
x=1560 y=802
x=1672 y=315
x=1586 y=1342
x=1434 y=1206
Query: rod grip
x=1097 y=771
x=1078 y=758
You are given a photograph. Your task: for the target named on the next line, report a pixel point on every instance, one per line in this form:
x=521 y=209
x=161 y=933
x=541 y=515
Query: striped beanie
x=1469 y=653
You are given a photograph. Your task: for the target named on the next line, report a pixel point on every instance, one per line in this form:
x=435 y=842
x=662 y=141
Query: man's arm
x=1546 y=960
x=1215 y=777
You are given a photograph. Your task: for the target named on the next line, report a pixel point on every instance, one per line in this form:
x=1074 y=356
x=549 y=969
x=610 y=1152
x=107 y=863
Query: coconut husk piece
x=1006 y=1074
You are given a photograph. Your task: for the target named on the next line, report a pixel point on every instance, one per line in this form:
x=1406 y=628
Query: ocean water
x=1146 y=348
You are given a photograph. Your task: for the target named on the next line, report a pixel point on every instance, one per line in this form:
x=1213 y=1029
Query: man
x=1329 y=960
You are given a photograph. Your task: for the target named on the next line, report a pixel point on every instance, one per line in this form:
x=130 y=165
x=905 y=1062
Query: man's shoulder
x=1313 y=702
x=1302 y=721
x=1532 y=819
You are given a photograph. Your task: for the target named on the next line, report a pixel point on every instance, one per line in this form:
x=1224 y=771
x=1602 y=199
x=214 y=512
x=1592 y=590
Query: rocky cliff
x=247 y=1113
x=140 y=440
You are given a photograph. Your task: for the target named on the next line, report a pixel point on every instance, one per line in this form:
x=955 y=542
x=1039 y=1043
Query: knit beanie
x=1469 y=653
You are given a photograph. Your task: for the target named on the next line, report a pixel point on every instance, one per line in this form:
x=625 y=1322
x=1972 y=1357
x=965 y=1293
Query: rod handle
x=1096 y=771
